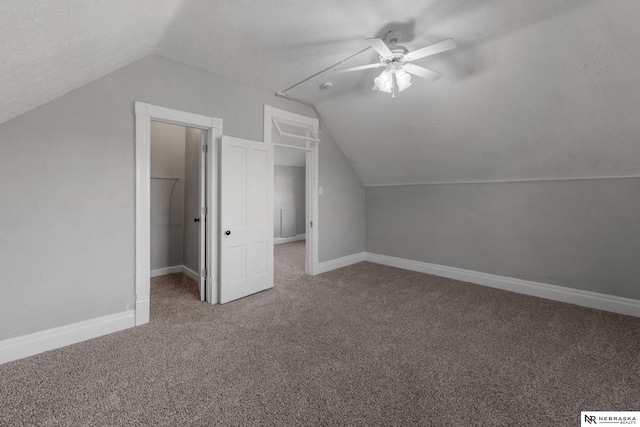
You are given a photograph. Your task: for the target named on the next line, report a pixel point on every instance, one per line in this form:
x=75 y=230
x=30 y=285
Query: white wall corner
x=334 y=264
x=50 y=339
x=615 y=304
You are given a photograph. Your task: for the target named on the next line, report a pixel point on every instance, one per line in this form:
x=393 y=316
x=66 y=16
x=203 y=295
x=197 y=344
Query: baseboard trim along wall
x=50 y=339
x=38 y=342
x=278 y=240
x=334 y=264
x=189 y=272
x=628 y=306
x=167 y=270
x=175 y=269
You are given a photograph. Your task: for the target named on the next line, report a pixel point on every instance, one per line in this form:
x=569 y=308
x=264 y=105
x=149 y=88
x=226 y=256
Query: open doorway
x=295 y=140
x=177 y=195
x=290 y=207
x=144 y=114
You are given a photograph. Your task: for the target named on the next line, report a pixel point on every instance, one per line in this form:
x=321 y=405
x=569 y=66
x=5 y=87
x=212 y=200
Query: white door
x=195 y=205
x=246 y=218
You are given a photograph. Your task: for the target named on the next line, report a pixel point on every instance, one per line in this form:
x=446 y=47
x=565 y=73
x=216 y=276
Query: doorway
x=212 y=127
x=177 y=195
x=144 y=114
x=290 y=207
x=295 y=140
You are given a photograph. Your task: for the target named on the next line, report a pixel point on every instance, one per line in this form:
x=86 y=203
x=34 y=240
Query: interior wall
x=289 y=193
x=191 y=256
x=341 y=207
x=68 y=169
x=580 y=234
x=167 y=195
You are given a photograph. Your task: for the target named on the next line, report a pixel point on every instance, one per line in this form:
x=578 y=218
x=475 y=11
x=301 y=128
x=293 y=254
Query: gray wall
x=289 y=193
x=67 y=185
x=166 y=217
x=191 y=246
x=167 y=196
x=580 y=234
x=341 y=207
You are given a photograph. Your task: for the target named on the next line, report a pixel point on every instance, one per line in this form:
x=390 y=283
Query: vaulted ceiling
x=535 y=90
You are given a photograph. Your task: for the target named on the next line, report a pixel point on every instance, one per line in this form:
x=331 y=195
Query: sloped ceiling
x=536 y=89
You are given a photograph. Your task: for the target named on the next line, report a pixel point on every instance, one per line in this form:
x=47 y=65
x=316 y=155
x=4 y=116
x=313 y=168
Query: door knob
x=228 y=232
x=196 y=219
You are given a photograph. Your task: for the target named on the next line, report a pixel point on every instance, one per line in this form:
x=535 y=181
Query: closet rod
x=168 y=178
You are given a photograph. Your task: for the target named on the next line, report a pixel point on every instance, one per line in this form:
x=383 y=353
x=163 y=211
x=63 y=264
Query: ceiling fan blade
x=442 y=46
x=361 y=67
x=381 y=47
x=421 y=72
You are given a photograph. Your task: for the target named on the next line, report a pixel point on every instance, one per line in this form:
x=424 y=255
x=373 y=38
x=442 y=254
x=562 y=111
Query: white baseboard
x=143 y=309
x=50 y=339
x=628 y=306
x=278 y=240
x=166 y=270
x=189 y=272
x=176 y=269
x=333 y=264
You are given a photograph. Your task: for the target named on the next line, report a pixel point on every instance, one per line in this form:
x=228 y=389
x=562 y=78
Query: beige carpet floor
x=364 y=345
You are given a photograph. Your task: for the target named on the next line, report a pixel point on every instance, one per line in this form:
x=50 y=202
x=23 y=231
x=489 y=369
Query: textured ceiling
x=51 y=47
x=536 y=89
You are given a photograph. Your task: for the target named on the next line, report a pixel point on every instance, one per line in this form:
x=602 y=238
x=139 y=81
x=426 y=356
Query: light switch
x=320 y=191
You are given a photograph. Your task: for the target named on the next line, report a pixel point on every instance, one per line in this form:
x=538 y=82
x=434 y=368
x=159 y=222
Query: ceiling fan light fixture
x=403 y=79
x=383 y=82
x=403 y=87
x=397 y=62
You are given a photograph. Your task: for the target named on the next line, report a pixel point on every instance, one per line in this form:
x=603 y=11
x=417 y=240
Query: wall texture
x=341 y=207
x=289 y=193
x=579 y=234
x=167 y=196
x=67 y=169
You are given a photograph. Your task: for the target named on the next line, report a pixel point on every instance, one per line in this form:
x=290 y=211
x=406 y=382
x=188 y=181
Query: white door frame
x=311 y=232
x=144 y=113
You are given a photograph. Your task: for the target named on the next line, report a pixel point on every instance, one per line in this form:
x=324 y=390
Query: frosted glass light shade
x=403 y=79
x=383 y=81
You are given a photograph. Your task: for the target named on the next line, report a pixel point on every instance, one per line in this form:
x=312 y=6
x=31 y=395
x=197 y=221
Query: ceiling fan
x=397 y=62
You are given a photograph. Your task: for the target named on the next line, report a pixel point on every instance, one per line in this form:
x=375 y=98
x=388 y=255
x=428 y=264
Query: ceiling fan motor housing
x=392 y=37
x=398 y=57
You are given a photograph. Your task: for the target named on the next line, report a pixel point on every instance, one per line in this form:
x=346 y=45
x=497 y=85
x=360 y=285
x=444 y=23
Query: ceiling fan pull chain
x=393 y=85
